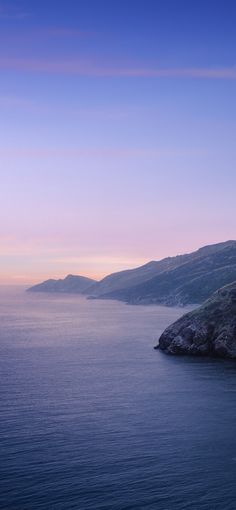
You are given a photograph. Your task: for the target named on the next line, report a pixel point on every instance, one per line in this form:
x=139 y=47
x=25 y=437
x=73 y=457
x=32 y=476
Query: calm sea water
x=93 y=418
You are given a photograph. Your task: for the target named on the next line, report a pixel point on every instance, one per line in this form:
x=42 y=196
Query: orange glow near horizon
x=36 y=277
x=112 y=155
x=27 y=265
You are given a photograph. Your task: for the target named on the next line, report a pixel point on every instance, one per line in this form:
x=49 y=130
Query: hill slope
x=184 y=279
x=70 y=284
x=111 y=284
x=131 y=277
x=192 y=279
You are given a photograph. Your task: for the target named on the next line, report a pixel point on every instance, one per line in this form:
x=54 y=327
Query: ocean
x=93 y=418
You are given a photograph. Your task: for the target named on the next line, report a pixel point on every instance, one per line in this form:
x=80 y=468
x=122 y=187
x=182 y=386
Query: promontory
x=209 y=330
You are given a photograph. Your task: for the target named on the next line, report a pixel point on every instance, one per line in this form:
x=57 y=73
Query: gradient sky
x=117 y=133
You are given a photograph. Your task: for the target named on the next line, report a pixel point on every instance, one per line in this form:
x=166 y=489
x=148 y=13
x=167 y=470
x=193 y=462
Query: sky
x=117 y=133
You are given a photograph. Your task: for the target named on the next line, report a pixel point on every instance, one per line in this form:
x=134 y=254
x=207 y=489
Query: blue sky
x=117 y=133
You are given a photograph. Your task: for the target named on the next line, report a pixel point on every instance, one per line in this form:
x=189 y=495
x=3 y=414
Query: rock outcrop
x=210 y=330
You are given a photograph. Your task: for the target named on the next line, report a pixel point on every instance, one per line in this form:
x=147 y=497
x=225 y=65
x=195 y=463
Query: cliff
x=210 y=330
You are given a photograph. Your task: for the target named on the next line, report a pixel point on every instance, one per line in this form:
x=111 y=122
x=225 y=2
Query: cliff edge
x=210 y=330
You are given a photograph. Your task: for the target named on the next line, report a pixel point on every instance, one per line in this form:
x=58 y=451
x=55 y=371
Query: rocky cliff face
x=207 y=331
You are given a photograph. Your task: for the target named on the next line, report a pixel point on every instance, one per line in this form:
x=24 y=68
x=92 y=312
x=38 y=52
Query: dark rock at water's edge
x=71 y=284
x=207 y=331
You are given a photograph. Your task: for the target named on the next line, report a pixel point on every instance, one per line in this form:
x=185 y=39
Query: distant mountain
x=71 y=284
x=131 y=277
x=181 y=280
x=207 y=331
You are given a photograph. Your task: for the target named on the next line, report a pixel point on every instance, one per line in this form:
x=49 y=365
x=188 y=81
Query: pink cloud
x=65 y=32
x=103 y=153
x=88 y=68
x=33 y=35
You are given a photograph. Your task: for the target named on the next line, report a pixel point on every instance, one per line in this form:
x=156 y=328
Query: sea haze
x=92 y=418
